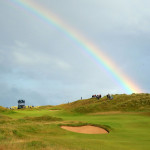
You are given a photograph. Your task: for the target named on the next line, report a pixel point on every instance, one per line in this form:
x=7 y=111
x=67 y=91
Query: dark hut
x=21 y=104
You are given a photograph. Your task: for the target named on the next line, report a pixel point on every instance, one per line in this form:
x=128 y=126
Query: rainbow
x=90 y=49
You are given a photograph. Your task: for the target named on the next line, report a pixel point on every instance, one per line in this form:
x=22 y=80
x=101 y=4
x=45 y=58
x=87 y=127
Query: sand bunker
x=86 y=129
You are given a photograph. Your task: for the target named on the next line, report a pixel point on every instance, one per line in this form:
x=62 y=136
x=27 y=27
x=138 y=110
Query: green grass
x=30 y=129
x=120 y=102
x=43 y=118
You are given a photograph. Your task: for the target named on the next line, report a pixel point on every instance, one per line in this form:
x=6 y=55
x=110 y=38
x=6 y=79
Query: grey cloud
x=44 y=66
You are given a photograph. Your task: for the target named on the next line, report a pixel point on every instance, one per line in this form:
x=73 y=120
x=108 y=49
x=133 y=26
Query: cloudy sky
x=40 y=64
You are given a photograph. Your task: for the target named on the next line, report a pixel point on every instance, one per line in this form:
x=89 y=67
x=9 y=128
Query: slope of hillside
x=120 y=102
x=2 y=109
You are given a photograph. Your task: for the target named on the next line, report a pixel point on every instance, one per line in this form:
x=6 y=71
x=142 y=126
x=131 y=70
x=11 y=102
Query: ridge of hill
x=120 y=102
x=2 y=109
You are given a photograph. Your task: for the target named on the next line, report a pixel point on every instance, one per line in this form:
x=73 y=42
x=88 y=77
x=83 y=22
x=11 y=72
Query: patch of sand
x=86 y=129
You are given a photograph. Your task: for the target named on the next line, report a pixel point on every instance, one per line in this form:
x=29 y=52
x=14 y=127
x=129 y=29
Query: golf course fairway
x=40 y=129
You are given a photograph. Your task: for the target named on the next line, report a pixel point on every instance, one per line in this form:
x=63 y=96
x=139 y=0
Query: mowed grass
x=40 y=129
x=129 y=131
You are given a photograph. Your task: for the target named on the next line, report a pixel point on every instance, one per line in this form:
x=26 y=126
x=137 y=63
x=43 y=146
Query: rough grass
x=40 y=128
x=120 y=102
x=127 y=131
x=2 y=109
x=43 y=118
x=4 y=119
x=45 y=107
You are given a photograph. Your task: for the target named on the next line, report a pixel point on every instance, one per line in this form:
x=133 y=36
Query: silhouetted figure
x=94 y=96
x=98 y=96
x=109 y=96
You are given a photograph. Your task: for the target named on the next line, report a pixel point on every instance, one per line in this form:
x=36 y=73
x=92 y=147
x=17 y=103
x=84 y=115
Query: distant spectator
x=109 y=96
x=98 y=96
x=94 y=96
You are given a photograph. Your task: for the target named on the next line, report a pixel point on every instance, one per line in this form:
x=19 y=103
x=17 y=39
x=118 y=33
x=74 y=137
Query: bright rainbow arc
x=89 y=48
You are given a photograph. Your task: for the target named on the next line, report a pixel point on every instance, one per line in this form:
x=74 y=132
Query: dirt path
x=86 y=129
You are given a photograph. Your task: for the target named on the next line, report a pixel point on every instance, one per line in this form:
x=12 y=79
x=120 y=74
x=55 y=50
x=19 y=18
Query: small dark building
x=21 y=104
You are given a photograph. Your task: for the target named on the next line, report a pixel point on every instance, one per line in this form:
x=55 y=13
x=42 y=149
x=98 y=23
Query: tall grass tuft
x=43 y=118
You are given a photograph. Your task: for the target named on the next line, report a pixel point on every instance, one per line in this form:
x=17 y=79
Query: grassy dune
x=127 y=117
x=120 y=102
